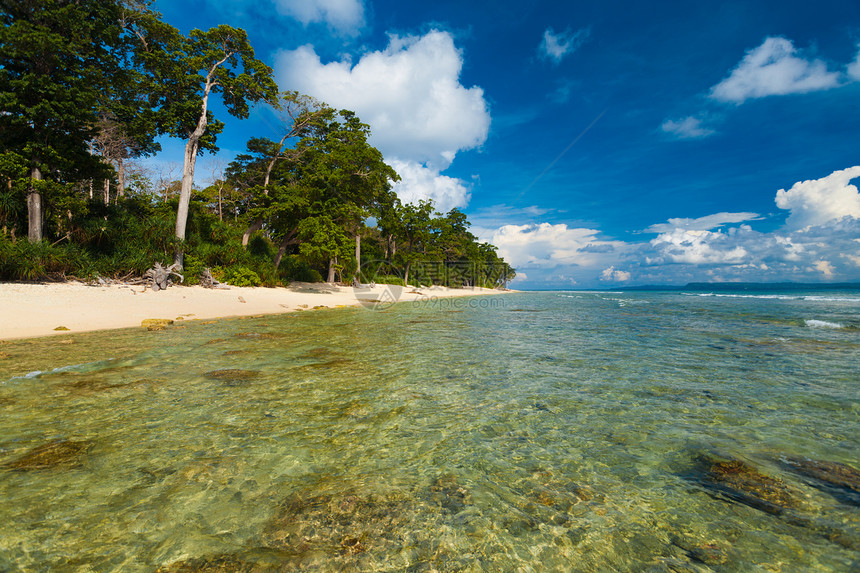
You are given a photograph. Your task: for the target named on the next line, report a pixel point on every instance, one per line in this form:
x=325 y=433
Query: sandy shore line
x=31 y=310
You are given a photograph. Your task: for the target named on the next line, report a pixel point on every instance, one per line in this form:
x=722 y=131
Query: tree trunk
x=406 y=274
x=107 y=192
x=34 y=209
x=282 y=250
x=331 y=264
x=185 y=196
x=220 y=213
x=120 y=176
x=256 y=225
x=358 y=252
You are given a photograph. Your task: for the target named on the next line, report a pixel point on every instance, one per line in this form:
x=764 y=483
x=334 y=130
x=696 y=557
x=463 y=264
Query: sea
x=657 y=431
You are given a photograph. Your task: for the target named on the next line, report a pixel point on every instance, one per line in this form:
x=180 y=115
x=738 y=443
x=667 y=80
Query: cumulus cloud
x=818 y=201
x=697 y=247
x=409 y=93
x=556 y=46
x=344 y=16
x=687 y=128
x=702 y=223
x=610 y=274
x=774 y=69
x=547 y=245
x=420 y=182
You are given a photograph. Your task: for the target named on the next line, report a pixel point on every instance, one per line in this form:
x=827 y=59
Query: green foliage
x=241 y=277
x=390 y=280
x=296 y=268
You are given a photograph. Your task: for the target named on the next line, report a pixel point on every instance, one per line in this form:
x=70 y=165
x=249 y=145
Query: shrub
x=390 y=280
x=241 y=277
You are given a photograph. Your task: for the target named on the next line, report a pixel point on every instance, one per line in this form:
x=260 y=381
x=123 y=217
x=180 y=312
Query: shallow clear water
x=563 y=431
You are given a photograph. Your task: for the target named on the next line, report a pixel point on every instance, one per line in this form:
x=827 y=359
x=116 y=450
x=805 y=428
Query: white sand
x=30 y=310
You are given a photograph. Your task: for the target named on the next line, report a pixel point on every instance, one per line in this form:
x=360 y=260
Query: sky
x=597 y=144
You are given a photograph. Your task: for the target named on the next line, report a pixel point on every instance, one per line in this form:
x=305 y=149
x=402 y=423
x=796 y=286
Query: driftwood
x=208 y=281
x=158 y=277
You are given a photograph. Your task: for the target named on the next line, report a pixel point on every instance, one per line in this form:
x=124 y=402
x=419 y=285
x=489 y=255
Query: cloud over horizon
x=818 y=201
x=819 y=241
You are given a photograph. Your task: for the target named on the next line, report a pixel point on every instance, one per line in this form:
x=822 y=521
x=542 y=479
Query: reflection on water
x=551 y=432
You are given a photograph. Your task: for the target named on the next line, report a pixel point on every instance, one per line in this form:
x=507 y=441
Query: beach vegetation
x=86 y=90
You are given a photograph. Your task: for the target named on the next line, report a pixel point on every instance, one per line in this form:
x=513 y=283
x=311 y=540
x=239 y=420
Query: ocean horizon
x=618 y=430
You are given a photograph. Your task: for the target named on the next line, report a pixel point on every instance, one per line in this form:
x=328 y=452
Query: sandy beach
x=32 y=310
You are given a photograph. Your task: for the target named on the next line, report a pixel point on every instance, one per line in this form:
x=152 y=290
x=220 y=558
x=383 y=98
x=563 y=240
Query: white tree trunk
x=185 y=195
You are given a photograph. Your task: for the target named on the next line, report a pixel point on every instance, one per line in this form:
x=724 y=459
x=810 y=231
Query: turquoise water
x=558 y=431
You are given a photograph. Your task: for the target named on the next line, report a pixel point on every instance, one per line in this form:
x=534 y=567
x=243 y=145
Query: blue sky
x=596 y=144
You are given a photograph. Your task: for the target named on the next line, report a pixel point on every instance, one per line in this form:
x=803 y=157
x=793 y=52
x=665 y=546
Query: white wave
x=812 y=323
x=815 y=298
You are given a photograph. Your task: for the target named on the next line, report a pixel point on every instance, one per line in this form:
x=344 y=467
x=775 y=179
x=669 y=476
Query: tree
x=346 y=177
x=300 y=114
x=218 y=61
x=56 y=60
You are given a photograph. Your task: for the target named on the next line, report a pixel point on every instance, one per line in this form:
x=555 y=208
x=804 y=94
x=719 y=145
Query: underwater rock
x=738 y=481
x=233 y=376
x=450 y=495
x=829 y=473
x=153 y=324
x=215 y=564
x=57 y=453
x=62 y=328
x=340 y=525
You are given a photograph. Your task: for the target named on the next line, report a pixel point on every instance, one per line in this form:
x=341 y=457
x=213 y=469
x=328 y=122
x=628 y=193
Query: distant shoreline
x=36 y=310
x=782 y=286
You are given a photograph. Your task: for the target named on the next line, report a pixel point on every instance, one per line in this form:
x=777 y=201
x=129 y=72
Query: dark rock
x=233 y=376
x=738 y=481
x=58 y=453
x=840 y=480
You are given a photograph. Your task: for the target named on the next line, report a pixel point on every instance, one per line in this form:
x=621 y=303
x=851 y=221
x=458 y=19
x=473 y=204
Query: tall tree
x=217 y=61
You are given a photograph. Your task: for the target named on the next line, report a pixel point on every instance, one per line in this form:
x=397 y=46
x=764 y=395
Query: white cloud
x=557 y=46
x=702 y=223
x=422 y=182
x=854 y=67
x=345 y=16
x=697 y=247
x=687 y=128
x=547 y=245
x=824 y=267
x=611 y=275
x=410 y=94
x=773 y=69
x=818 y=201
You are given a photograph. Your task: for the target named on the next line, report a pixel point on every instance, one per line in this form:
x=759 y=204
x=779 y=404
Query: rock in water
x=841 y=480
x=740 y=482
x=58 y=453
